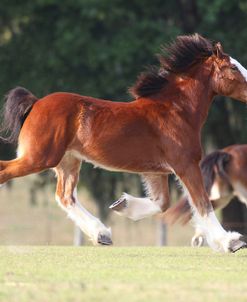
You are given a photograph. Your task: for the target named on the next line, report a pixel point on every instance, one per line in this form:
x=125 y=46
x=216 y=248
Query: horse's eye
x=234 y=68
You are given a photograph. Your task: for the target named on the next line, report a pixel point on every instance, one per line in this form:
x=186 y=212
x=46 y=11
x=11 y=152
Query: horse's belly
x=134 y=165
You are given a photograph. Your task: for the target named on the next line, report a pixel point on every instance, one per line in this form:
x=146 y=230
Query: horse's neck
x=194 y=95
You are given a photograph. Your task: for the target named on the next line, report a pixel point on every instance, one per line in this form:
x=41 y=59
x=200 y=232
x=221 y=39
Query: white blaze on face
x=241 y=68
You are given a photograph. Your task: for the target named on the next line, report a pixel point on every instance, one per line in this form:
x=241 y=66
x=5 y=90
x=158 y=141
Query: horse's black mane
x=175 y=58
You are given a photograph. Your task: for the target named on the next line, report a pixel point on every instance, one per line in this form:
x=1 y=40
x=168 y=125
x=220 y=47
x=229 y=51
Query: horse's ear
x=218 y=50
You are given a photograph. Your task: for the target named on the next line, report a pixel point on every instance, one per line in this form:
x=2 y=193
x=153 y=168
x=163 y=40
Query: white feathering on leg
x=89 y=224
x=217 y=238
x=138 y=208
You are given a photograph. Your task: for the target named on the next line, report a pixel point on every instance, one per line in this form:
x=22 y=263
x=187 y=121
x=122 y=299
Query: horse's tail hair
x=213 y=163
x=18 y=104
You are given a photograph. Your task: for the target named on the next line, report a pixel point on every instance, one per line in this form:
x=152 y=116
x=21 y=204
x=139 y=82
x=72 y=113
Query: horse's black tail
x=18 y=104
x=214 y=163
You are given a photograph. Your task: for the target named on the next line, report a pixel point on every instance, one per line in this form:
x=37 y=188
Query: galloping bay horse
x=224 y=174
x=156 y=134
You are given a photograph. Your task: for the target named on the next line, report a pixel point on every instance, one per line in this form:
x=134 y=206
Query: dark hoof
x=236 y=245
x=119 y=205
x=104 y=239
x=197 y=241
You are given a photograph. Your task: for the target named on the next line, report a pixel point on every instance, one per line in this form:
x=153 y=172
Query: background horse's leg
x=198 y=239
x=204 y=216
x=68 y=174
x=137 y=208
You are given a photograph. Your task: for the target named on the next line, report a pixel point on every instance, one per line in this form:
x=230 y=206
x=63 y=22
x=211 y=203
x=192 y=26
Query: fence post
x=78 y=236
x=161 y=233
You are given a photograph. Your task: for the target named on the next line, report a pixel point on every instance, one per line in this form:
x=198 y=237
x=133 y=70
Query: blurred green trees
x=98 y=47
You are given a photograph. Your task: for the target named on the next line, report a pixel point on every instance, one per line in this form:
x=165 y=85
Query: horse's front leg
x=157 y=190
x=199 y=236
x=203 y=214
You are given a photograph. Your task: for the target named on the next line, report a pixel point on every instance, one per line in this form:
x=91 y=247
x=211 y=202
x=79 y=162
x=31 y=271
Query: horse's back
x=70 y=99
x=67 y=100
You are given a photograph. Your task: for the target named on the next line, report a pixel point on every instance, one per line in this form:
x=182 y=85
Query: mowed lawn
x=118 y=274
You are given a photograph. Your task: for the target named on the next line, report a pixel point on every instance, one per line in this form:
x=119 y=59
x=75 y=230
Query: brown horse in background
x=157 y=134
x=225 y=176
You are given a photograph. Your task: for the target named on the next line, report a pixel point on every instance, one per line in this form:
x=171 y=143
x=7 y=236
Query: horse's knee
x=164 y=206
x=64 y=201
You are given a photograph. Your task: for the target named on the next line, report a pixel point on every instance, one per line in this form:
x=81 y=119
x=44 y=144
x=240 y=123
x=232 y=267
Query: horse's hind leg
x=68 y=174
x=138 y=208
x=36 y=152
x=20 y=167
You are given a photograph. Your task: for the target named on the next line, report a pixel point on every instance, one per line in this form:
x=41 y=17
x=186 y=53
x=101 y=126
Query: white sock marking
x=139 y=208
x=217 y=238
x=89 y=224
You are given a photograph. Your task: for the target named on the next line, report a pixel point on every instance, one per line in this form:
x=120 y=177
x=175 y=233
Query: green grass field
x=43 y=274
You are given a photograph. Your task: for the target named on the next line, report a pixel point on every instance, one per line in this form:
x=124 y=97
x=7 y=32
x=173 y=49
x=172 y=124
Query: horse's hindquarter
x=50 y=128
x=119 y=136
